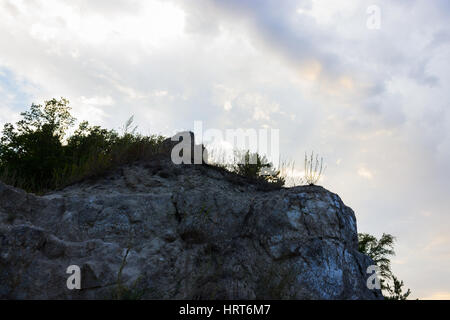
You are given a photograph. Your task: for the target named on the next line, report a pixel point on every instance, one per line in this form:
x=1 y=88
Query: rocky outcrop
x=155 y=230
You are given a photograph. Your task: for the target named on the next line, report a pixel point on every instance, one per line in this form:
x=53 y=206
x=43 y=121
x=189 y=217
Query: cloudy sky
x=370 y=95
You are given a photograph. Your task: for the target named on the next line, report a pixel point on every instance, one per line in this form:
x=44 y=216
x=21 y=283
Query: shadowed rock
x=190 y=232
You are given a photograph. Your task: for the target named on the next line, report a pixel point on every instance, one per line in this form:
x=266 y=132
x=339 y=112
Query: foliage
x=32 y=151
x=54 y=116
x=122 y=291
x=379 y=251
x=396 y=291
x=255 y=166
x=313 y=169
x=35 y=156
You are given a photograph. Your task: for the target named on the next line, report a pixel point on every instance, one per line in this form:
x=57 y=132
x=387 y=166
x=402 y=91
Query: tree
x=88 y=141
x=395 y=291
x=379 y=251
x=32 y=150
x=54 y=115
x=36 y=155
x=254 y=166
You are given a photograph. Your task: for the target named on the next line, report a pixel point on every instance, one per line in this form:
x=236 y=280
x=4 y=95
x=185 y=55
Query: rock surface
x=155 y=230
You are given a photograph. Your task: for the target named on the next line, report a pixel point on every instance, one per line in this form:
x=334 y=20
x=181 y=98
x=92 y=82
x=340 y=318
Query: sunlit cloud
x=438 y=296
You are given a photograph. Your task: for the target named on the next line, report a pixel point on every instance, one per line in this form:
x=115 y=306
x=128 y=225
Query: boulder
x=156 y=230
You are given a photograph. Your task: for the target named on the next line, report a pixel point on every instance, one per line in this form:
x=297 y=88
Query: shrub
x=257 y=167
x=313 y=169
x=32 y=151
x=34 y=155
x=379 y=251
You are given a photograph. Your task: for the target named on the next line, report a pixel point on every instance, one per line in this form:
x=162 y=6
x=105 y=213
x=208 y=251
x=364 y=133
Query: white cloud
x=365 y=173
x=227 y=106
x=357 y=96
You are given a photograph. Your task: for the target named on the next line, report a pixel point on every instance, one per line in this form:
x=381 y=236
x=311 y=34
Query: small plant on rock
x=122 y=291
x=257 y=167
x=313 y=169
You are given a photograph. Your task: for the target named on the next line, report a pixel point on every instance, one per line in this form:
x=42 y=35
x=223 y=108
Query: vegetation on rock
x=36 y=155
x=380 y=250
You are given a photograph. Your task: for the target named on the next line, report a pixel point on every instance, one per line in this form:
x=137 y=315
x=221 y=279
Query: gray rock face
x=156 y=230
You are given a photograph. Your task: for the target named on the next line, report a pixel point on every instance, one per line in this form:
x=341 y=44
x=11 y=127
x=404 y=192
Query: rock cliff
x=155 y=230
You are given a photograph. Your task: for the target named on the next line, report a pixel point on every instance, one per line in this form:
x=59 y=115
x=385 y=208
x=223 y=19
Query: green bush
x=256 y=167
x=379 y=251
x=32 y=151
x=35 y=156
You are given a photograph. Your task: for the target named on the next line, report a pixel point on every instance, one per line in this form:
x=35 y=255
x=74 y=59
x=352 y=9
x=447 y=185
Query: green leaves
x=34 y=157
x=379 y=251
x=32 y=150
x=254 y=166
x=54 y=115
x=395 y=290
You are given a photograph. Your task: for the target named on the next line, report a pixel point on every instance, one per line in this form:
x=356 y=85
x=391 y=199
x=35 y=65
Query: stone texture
x=180 y=232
